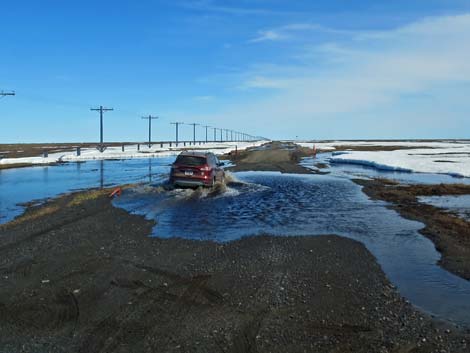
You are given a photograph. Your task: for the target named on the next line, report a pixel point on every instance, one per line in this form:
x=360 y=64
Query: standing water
x=23 y=185
x=456 y=204
x=270 y=203
x=289 y=205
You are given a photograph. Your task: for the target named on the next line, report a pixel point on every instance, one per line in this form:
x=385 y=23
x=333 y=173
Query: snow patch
x=130 y=152
x=370 y=164
x=453 y=161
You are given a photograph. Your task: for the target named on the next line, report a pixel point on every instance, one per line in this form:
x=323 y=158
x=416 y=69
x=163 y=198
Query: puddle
x=287 y=205
x=459 y=204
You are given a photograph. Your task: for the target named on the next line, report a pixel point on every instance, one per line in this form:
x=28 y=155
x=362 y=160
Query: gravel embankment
x=275 y=157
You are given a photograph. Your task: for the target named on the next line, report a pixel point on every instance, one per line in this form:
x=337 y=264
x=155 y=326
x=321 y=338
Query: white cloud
x=204 y=98
x=368 y=74
x=291 y=31
x=212 y=6
x=268 y=36
x=264 y=82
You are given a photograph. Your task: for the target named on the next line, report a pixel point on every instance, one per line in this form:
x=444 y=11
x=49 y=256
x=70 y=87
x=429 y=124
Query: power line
x=206 y=126
x=194 y=131
x=101 y=109
x=177 y=124
x=3 y=94
x=150 y=118
x=230 y=135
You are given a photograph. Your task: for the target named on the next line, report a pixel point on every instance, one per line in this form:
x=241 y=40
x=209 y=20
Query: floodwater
x=266 y=203
x=458 y=204
x=288 y=205
x=22 y=185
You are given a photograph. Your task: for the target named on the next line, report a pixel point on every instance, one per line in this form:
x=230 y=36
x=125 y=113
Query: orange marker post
x=116 y=192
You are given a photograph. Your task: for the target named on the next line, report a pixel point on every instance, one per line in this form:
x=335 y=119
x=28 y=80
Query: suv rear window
x=191 y=160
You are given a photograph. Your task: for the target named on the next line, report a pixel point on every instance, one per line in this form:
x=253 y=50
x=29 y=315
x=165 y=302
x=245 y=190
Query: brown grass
x=82 y=197
x=33 y=215
x=15 y=165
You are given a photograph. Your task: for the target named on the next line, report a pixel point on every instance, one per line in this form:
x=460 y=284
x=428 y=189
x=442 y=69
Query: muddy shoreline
x=449 y=233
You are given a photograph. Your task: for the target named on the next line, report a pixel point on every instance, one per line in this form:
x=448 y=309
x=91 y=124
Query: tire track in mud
x=54 y=227
x=174 y=300
x=270 y=290
x=56 y=312
x=195 y=292
x=21 y=267
x=245 y=341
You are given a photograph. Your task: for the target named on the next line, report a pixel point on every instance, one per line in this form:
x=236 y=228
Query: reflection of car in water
x=196 y=169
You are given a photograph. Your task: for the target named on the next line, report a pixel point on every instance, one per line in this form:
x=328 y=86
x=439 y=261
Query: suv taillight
x=206 y=168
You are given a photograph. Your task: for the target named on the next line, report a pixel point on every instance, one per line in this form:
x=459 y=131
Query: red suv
x=196 y=169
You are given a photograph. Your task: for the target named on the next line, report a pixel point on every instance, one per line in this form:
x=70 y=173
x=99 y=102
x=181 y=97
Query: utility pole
x=150 y=118
x=206 y=126
x=231 y=135
x=4 y=94
x=194 y=132
x=101 y=109
x=226 y=134
x=215 y=134
x=221 y=138
x=177 y=124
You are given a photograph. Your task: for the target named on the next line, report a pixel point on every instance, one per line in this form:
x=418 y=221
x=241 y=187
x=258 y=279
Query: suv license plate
x=188 y=172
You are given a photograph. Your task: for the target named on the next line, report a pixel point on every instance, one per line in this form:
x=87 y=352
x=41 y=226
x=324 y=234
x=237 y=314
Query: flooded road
x=23 y=185
x=287 y=205
x=266 y=203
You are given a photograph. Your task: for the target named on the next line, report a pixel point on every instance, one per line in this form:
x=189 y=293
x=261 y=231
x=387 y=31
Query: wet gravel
x=274 y=156
x=78 y=275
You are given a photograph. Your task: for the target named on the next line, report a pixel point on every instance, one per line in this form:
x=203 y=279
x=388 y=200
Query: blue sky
x=314 y=69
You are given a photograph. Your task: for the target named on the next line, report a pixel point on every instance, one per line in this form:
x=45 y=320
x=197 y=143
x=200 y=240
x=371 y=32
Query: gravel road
x=78 y=275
